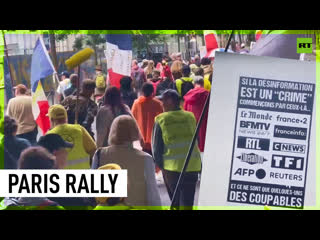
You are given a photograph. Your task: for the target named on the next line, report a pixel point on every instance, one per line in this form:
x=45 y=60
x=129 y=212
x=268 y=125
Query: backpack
x=70 y=105
x=186 y=86
x=100 y=81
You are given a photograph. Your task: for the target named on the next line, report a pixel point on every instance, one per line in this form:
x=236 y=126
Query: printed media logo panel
x=273 y=117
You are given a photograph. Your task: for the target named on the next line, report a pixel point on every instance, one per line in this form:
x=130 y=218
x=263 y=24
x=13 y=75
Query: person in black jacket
x=164 y=85
x=87 y=108
x=127 y=94
x=166 y=82
x=56 y=146
x=13 y=146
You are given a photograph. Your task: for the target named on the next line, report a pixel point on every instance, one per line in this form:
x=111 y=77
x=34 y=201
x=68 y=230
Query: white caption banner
x=63 y=183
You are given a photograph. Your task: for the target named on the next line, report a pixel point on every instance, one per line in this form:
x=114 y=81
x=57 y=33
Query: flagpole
x=8 y=61
x=195 y=136
x=55 y=79
x=77 y=100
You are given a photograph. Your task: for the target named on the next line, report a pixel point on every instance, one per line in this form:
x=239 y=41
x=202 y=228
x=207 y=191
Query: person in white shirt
x=63 y=85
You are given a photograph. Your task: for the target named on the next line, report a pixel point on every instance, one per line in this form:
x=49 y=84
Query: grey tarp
x=277 y=45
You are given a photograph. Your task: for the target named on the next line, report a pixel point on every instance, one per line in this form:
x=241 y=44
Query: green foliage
x=93 y=40
x=78 y=43
x=65 y=32
x=61 y=37
x=142 y=42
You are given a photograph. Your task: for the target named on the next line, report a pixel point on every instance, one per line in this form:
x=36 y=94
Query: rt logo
x=304 y=45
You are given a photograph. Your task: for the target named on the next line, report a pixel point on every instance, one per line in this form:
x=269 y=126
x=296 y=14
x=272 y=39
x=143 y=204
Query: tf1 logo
x=287 y=162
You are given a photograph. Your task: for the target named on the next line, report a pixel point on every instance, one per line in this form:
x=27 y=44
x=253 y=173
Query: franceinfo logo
x=290 y=132
x=252 y=158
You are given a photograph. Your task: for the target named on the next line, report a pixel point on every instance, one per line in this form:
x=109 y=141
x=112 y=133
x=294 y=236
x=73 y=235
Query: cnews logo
x=304 y=45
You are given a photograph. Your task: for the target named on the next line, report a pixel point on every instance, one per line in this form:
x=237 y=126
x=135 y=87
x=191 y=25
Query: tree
x=78 y=43
x=56 y=36
x=142 y=42
x=52 y=38
x=93 y=41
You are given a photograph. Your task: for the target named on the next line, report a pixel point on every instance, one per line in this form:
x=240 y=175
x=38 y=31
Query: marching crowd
x=158 y=106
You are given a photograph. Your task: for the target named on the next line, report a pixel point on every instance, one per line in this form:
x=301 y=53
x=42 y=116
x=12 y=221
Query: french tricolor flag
x=258 y=34
x=119 y=57
x=211 y=40
x=41 y=67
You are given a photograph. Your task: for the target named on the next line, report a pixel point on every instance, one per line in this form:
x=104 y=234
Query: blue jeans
x=31 y=136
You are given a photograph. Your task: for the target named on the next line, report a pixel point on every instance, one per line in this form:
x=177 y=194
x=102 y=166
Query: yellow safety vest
x=78 y=158
x=177 y=129
x=179 y=83
x=206 y=82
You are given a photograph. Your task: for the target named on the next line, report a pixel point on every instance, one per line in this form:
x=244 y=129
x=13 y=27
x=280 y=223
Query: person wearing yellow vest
x=184 y=84
x=171 y=137
x=84 y=146
x=206 y=65
x=100 y=81
x=104 y=203
x=206 y=82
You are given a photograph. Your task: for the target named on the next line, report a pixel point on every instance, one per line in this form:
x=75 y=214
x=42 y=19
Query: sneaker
x=159 y=177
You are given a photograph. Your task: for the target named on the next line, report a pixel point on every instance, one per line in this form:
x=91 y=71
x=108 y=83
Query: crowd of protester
x=158 y=106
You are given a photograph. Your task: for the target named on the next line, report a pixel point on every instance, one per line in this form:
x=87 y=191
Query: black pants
x=31 y=136
x=147 y=151
x=185 y=197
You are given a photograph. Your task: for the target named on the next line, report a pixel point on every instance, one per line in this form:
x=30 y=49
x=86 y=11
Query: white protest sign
x=260 y=143
x=118 y=60
x=122 y=62
x=203 y=51
x=110 y=52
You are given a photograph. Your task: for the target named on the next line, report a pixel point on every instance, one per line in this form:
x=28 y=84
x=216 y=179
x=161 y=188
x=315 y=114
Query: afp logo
x=304 y=45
